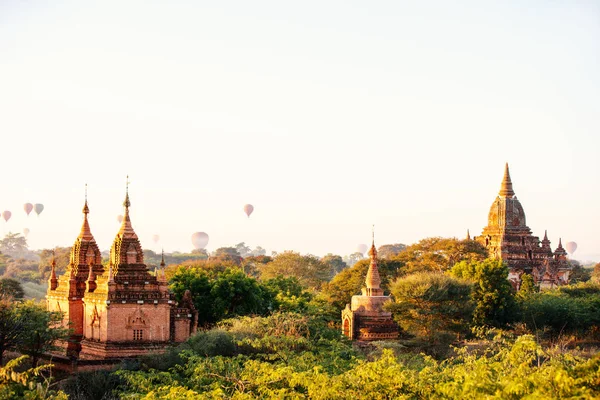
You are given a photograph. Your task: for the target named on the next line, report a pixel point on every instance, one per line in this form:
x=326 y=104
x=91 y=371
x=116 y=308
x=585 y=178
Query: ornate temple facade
x=121 y=310
x=508 y=237
x=364 y=319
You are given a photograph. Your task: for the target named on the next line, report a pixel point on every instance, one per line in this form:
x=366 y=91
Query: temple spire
x=373 y=279
x=86 y=233
x=126 y=228
x=506 y=188
x=53 y=279
x=468 y=235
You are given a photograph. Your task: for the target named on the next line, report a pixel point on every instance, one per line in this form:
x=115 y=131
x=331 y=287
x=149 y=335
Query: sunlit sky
x=327 y=116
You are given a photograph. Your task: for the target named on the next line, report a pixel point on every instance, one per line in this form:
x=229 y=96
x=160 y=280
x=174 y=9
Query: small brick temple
x=364 y=319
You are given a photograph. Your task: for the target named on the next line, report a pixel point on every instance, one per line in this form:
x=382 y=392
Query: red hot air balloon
x=120 y=218
x=362 y=248
x=571 y=247
x=38 y=208
x=155 y=238
x=28 y=207
x=200 y=240
x=6 y=215
x=248 y=208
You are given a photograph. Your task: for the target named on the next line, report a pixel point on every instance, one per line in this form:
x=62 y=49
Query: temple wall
x=123 y=319
x=182 y=330
x=369 y=303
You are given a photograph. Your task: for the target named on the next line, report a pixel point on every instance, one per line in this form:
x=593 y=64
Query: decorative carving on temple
x=508 y=237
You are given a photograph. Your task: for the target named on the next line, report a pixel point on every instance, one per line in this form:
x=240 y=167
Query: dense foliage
x=492 y=293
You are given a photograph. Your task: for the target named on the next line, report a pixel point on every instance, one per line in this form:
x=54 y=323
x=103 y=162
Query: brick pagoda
x=121 y=310
x=364 y=319
x=508 y=237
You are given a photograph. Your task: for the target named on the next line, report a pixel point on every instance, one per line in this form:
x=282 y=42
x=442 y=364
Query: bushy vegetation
x=270 y=328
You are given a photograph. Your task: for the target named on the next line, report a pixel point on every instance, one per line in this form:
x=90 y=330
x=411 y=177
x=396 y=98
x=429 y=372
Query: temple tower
x=122 y=310
x=508 y=237
x=364 y=319
x=65 y=294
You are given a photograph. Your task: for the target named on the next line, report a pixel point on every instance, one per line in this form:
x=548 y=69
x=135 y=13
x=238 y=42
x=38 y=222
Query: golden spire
x=506 y=189
x=126 y=228
x=86 y=233
x=373 y=280
x=468 y=235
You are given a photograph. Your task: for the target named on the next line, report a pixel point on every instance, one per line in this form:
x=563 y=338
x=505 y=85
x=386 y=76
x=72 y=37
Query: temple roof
x=126 y=230
x=373 y=279
x=506 y=188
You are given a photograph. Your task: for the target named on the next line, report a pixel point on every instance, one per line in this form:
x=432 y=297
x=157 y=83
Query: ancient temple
x=508 y=237
x=119 y=310
x=364 y=319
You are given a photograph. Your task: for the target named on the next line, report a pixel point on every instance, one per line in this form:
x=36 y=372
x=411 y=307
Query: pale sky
x=327 y=116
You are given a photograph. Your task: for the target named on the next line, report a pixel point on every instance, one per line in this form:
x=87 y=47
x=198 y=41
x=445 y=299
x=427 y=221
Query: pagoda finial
x=506 y=188
x=162 y=262
x=85 y=232
x=468 y=235
x=126 y=228
x=126 y=203
x=373 y=280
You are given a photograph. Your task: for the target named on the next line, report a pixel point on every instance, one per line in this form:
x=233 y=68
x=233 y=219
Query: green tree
x=431 y=305
x=252 y=265
x=227 y=254
x=288 y=293
x=60 y=254
x=492 y=292
x=222 y=294
x=242 y=249
x=353 y=258
x=579 y=273
x=28 y=327
x=310 y=271
x=14 y=245
x=439 y=254
x=335 y=261
x=390 y=250
x=236 y=294
x=198 y=281
x=42 y=330
x=11 y=288
x=527 y=287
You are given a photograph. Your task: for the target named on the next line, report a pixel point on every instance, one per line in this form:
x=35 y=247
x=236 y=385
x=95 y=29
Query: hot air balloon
x=38 y=208
x=26 y=231
x=28 y=207
x=248 y=208
x=200 y=240
x=155 y=238
x=362 y=248
x=120 y=218
x=6 y=215
x=571 y=247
